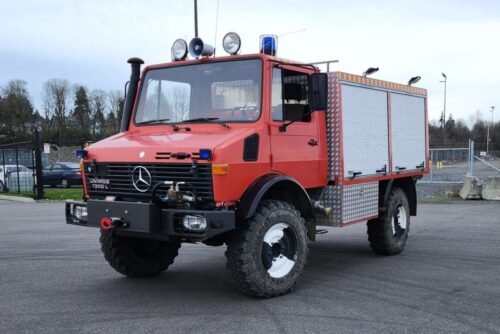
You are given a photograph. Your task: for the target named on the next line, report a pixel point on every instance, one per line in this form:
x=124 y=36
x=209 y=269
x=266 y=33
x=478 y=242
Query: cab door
x=296 y=150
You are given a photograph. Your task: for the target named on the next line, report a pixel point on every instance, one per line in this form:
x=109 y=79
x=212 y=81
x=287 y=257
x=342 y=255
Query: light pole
x=444 y=109
x=488 y=135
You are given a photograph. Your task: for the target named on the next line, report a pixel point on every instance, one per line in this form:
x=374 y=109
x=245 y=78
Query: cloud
x=89 y=41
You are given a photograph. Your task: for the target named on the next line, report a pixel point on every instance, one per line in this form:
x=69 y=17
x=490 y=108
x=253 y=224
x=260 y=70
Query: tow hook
x=108 y=223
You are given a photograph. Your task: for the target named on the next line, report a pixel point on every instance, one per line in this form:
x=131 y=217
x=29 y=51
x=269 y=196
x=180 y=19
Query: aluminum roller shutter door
x=408 y=131
x=365 y=133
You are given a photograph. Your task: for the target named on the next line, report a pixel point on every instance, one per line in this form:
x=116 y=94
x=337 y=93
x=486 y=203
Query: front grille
x=198 y=180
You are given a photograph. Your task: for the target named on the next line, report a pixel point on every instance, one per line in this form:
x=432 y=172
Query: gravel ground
x=53 y=279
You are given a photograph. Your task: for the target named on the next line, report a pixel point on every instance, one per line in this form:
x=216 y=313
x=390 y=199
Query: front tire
x=266 y=254
x=388 y=234
x=136 y=257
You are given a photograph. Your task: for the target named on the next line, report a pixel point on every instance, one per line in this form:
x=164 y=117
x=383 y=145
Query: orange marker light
x=220 y=169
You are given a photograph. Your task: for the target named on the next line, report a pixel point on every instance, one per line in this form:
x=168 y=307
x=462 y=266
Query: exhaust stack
x=135 y=64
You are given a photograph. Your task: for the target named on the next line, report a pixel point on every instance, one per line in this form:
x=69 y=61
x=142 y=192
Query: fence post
x=471 y=158
x=432 y=162
x=17 y=169
x=38 y=164
x=468 y=160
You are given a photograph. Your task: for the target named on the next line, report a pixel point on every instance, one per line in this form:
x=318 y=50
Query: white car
x=6 y=171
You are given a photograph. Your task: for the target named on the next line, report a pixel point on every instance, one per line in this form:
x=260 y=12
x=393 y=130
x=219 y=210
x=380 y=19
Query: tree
x=116 y=101
x=109 y=125
x=56 y=99
x=81 y=111
x=16 y=110
x=97 y=110
x=479 y=134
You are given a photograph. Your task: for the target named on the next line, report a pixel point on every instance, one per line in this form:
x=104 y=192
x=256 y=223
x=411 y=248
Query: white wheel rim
x=399 y=221
x=274 y=240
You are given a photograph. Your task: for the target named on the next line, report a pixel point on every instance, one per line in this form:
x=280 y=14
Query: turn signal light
x=220 y=169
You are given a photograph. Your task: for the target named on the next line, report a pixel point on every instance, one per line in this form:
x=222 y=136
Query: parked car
x=64 y=174
x=6 y=171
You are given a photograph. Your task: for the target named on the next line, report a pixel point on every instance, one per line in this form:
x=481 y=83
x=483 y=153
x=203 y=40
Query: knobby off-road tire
x=135 y=257
x=388 y=234
x=267 y=253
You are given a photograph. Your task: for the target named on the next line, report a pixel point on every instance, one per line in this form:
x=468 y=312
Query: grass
x=61 y=194
x=53 y=194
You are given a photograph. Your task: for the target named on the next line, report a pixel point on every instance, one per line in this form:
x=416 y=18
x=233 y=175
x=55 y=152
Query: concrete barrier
x=471 y=188
x=491 y=188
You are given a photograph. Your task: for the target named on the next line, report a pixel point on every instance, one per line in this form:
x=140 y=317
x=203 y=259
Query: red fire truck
x=255 y=152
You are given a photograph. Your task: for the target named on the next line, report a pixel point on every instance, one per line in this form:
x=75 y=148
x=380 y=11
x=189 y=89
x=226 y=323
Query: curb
x=17 y=199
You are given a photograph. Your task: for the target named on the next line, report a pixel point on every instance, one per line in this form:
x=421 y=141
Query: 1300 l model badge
x=99 y=184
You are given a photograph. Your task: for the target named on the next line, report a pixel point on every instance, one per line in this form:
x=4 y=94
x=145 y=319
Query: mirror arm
x=283 y=126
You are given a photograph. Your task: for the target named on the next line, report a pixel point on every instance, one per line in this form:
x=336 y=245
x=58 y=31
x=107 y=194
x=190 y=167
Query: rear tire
x=266 y=254
x=136 y=257
x=64 y=183
x=388 y=234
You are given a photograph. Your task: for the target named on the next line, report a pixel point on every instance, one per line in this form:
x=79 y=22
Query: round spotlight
x=231 y=43
x=179 y=50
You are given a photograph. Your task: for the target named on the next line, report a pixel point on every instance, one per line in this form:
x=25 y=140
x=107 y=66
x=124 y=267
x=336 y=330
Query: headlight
x=231 y=43
x=195 y=223
x=179 y=50
x=80 y=212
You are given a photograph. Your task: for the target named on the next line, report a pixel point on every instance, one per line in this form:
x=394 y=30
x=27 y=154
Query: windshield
x=214 y=92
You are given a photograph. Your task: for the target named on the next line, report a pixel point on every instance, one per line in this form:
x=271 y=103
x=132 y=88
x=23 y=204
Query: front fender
x=277 y=187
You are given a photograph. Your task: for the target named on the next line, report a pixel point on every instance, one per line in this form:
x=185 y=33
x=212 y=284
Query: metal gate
x=17 y=168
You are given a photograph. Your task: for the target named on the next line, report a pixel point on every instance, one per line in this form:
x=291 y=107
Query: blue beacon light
x=205 y=154
x=269 y=44
x=82 y=154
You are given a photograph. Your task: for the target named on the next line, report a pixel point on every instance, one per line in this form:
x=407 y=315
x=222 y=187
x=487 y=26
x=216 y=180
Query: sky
x=89 y=41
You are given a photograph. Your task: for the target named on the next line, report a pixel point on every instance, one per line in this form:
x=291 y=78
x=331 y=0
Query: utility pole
x=195 y=18
x=488 y=135
x=444 y=109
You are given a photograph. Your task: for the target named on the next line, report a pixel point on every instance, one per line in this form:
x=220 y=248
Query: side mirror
x=318 y=91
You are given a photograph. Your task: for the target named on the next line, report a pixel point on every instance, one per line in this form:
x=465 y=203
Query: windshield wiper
x=205 y=119
x=152 y=121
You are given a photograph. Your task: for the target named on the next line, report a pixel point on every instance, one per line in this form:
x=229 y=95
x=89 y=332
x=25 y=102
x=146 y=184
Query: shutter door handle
x=312 y=142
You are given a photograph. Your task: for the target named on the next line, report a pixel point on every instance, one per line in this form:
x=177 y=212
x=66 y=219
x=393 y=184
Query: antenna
x=292 y=32
x=195 y=18
x=216 y=25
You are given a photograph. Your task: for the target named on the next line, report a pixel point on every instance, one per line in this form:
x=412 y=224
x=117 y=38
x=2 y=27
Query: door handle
x=312 y=142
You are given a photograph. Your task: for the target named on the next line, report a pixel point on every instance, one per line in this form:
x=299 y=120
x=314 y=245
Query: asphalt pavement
x=54 y=279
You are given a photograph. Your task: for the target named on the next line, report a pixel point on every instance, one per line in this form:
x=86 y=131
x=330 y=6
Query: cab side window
x=289 y=96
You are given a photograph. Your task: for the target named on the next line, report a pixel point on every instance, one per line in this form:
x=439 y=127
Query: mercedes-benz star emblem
x=141 y=179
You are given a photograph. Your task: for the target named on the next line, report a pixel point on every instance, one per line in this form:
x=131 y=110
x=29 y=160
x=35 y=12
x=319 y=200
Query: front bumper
x=147 y=219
